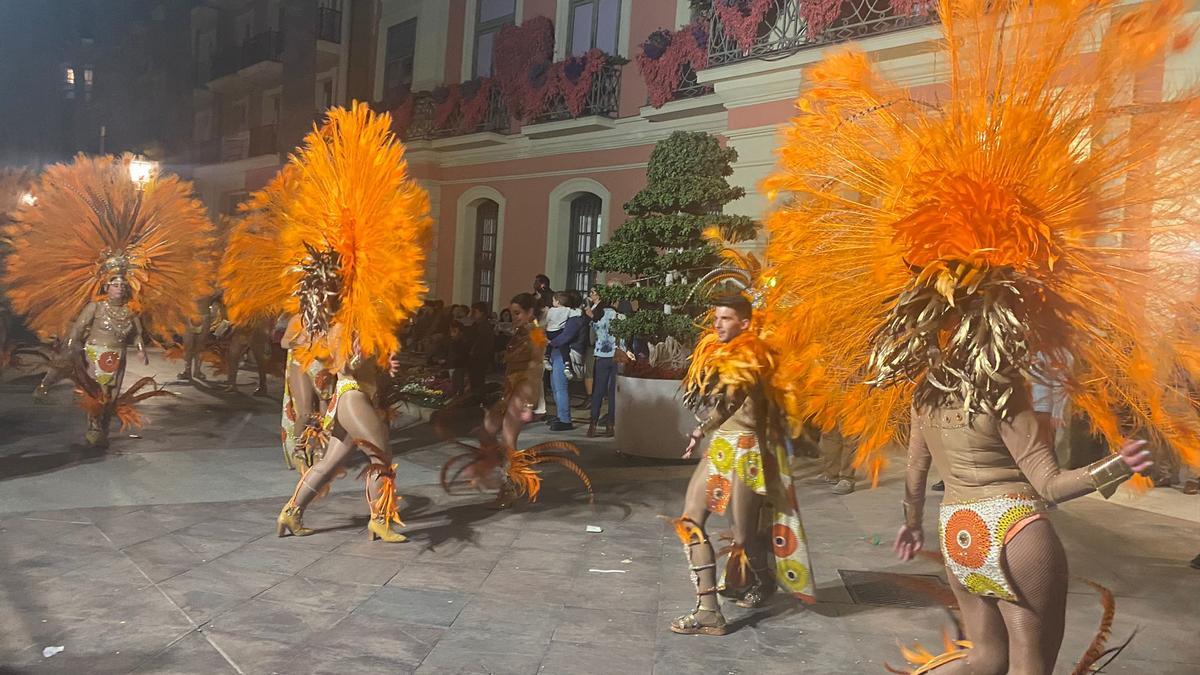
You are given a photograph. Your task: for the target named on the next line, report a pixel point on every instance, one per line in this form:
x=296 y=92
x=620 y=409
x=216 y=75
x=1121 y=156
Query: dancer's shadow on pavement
x=24 y=464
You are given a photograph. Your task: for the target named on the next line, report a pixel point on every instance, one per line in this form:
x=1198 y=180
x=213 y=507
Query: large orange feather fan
x=1038 y=158
x=255 y=288
x=90 y=209
x=347 y=191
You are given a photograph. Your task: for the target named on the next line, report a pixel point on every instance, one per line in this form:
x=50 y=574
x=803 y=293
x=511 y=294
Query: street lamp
x=28 y=199
x=142 y=171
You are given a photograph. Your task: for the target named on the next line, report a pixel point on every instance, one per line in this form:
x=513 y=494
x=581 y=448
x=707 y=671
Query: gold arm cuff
x=912 y=514
x=1108 y=474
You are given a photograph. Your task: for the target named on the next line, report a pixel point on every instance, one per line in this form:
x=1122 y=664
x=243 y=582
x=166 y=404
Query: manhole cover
x=888 y=589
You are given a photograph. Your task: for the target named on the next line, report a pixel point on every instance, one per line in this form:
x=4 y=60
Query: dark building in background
x=263 y=72
x=219 y=90
x=91 y=76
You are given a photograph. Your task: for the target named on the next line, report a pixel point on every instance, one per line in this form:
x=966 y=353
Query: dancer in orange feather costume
x=100 y=262
x=337 y=239
x=1030 y=224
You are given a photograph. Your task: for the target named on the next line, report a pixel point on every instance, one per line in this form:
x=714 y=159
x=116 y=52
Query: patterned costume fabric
x=345 y=383
x=973 y=535
x=104 y=364
x=738 y=456
x=291 y=427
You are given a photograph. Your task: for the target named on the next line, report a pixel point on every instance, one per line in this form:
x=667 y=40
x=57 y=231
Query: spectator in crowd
x=604 y=368
x=578 y=349
x=543 y=294
x=482 y=347
x=504 y=333
x=460 y=351
x=559 y=348
x=837 y=456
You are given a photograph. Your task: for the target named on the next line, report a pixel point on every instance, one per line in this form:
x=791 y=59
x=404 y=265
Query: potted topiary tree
x=664 y=250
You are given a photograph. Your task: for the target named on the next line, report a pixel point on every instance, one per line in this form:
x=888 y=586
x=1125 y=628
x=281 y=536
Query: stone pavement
x=160 y=556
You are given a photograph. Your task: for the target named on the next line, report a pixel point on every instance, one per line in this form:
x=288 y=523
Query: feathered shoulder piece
x=88 y=222
x=744 y=362
x=338 y=237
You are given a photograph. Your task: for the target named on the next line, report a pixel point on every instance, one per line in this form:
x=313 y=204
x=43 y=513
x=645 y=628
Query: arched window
x=487 y=217
x=585 y=236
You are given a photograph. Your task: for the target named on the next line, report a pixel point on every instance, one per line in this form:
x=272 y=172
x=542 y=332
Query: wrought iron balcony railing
x=784 y=30
x=329 y=24
x=603 y=98
x=425 y=126
x=265 y=46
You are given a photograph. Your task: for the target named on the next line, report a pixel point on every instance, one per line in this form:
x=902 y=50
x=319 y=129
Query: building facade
x=262 y=72
x=530 y=122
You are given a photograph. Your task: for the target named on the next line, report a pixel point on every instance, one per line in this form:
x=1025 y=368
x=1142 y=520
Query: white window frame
x=562 y=16
x=468 y=62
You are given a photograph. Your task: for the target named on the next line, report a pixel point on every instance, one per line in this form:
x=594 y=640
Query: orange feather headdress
x=338 y=237
x=89 y=223
x=1037 y=223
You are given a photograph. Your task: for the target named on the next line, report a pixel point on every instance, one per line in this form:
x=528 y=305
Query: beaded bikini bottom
x=973 y=535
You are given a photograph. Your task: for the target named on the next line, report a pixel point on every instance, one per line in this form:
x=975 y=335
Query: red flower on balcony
x=664 y=56
x=911 y=7
x=402 y=113
x=475 y=97
x=516 y=50
x=541 y=83
x=819 y=14
x=741 y=19
x=575 y=77
x=445 y=101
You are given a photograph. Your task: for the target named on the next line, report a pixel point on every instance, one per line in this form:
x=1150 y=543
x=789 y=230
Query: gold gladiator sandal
x=385 y=508
x=759 y=592
x=291 y=517
x=699 y=621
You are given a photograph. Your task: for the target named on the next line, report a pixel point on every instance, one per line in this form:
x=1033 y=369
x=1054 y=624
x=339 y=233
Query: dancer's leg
x=984 y=626
x=706 y=618
x=749 y=553
x=1037 y=567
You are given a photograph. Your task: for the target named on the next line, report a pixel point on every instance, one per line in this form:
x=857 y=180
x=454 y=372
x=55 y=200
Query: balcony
x=456 y=131
x=261 y=54
x=205 y=152
x=599 y=110
x=784 y=30
x=256 y=60
x=252 y=143
x=329 y=25
x=263 y=141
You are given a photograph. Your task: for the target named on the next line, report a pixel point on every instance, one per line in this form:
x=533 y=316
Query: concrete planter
x=651 y=418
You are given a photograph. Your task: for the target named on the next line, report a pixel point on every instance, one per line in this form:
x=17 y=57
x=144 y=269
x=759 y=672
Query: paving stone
x=440 y=577
x=462 y=651
x=271 y=557
x=320 y=594
x=435 y=608
x=278 y=621
x=163 y=557
x=604 y=626
x=193 y=654
x=592 y=659
x=352 y=569
x=368 y=644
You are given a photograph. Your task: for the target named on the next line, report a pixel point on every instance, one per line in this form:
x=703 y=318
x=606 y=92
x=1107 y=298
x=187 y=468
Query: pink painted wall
x=523 y=252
